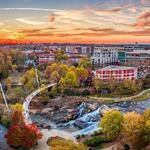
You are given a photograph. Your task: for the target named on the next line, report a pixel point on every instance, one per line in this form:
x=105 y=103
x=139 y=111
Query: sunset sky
x=82 y=21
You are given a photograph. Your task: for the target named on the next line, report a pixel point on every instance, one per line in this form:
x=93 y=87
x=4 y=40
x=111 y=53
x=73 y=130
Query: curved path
x=116 y=99
x=29 y=98
x=42 y=144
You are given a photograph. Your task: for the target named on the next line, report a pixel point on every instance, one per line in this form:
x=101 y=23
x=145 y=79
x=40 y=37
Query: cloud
x=143 y=20
x=113 y=10
x=30 y=21
x=51 y=18
x=32 y=9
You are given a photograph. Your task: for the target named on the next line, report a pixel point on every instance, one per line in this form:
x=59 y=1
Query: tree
x=55 y=77
x=112 y=84
x=50 y=69
x=146 y=115
x=44 y=94
x=19 y=134
x=146 y=133
x=81 y=73
x=85 y=62
x=29 y=79
x=60 y=56
x=57 y=143
x=130 y=86
x=53 y=91
x=23 y=136
x=111 y=124
x=63 y=69
x=133 y=128
x=71 y=79
x=62 y=85
x=97 y=83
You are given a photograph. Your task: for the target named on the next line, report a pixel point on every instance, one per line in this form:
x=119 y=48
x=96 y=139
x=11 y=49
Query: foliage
x=23 y=136
x=54 y=76
x=146 y=136
x=29 y=79
x=111 y=124
x=19 y=134
x=85 y=62
x=71 y=79
x=5 y=120
x=57 y=143
x=16 y=94
x=17 y=107
x=146 y=115
x=97 y=83
x=81 y=73
x=62 y=85
x=95 y=141
x=133 y=128
x=53 y=91
x=60 y=56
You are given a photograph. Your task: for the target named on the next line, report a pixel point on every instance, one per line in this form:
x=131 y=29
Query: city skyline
x=86 y=21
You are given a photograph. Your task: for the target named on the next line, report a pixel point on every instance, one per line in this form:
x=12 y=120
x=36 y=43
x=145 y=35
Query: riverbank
x=144 y=95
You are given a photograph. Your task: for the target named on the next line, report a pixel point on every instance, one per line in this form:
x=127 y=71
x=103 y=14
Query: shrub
x=5 y=120
x=95 y=141
x=85 y=92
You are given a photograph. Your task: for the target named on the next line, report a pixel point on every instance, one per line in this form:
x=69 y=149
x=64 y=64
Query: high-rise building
x=104 y=56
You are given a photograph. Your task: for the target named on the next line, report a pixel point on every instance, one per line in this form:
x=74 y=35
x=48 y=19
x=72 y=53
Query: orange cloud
x=143 y=20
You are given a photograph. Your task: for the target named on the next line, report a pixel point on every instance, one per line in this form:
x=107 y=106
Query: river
x=89 y=122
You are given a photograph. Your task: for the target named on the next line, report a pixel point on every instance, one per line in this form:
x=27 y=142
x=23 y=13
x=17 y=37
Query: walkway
x=29 y=98
x=42 y=144
x=120 y=99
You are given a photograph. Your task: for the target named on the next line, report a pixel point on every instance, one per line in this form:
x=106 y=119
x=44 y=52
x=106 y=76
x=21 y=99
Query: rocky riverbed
x=62 y=109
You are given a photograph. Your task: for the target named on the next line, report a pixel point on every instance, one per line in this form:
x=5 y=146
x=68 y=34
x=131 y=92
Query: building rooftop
x=141 y=51
x=113 y=67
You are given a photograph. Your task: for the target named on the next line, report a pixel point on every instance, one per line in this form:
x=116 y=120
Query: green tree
x=29 y=79
x=85 y=62
x=81 y=73
x=71 y=79
x=111 y=124
x=53 y=91
x=60 y=56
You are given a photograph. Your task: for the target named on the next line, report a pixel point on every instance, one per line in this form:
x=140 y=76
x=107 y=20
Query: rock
x=46 y=110
x=92 y=107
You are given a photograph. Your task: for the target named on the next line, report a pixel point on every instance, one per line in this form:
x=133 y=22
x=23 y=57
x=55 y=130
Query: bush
x=95 y=141
x=71 y=92
x=86 y=92
x=5 y=120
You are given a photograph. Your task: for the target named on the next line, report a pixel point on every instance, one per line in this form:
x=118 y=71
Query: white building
x=104 y=56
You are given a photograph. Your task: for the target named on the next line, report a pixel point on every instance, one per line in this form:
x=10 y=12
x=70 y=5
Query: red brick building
x=117 y=72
